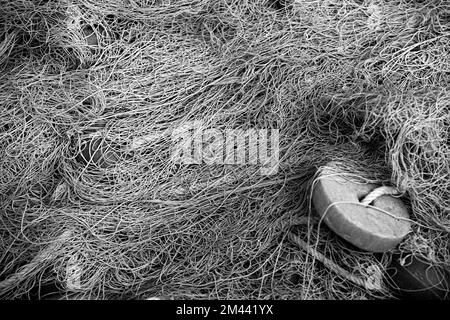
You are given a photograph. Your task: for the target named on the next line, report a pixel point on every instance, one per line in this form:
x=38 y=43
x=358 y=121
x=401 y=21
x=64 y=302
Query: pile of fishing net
x=361 y=83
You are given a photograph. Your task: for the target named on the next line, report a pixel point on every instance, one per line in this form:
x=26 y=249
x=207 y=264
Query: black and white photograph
x=221 y=157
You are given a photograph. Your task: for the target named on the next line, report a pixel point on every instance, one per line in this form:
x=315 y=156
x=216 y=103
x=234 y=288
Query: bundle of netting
x=101 y=100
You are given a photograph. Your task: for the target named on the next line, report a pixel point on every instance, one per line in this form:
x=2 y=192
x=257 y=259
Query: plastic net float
x=366 y=215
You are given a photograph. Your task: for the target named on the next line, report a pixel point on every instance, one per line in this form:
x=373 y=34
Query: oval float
x=97 y=152
x=411 y=277
x=365 y=227
x=90 y=36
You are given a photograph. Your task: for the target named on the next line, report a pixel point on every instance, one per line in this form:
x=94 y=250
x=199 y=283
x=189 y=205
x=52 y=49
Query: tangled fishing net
x=361 y=83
